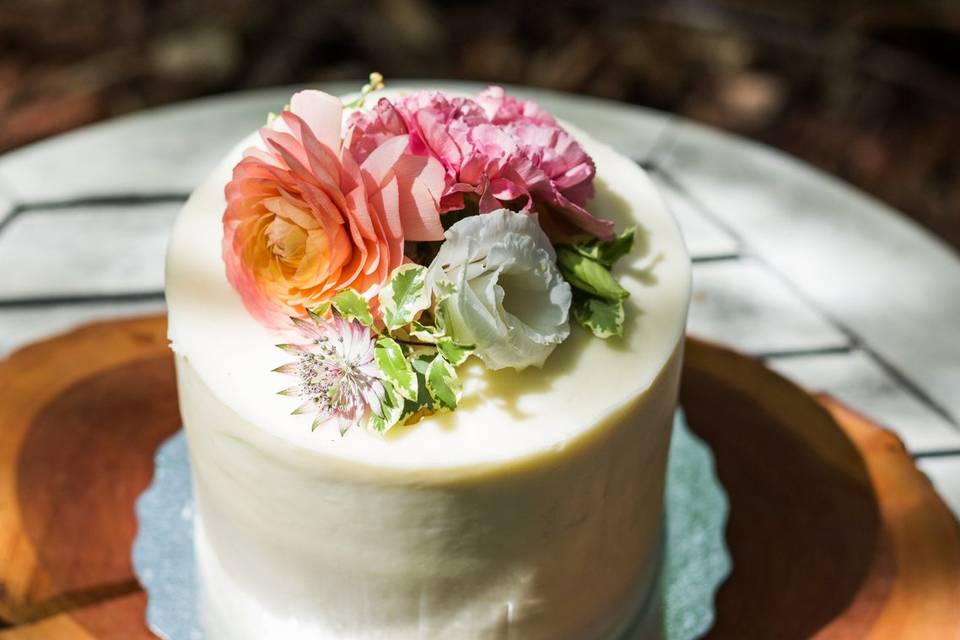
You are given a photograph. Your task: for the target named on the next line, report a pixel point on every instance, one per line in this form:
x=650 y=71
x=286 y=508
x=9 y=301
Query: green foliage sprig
x=414 y=352
x=597 y=296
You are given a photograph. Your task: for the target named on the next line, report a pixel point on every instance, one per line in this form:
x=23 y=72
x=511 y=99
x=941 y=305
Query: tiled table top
x=832 y=288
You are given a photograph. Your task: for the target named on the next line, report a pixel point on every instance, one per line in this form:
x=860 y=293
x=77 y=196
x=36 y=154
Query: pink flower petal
x=380 y=165
x=583 y=219
x=438 y=139
x=304 y=220
x=502 y=149
x=321 y=112
x=422 y=182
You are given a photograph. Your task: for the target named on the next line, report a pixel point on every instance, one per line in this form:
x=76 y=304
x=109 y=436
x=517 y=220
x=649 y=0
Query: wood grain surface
x=833 y=531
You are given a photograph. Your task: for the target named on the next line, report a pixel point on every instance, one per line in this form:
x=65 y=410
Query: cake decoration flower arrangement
x=388 y=245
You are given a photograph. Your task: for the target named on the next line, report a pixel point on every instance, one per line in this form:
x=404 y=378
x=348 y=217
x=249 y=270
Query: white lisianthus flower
x=510 y=301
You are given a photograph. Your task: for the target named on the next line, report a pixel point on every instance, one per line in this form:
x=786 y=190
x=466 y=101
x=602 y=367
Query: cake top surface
x=505 y=416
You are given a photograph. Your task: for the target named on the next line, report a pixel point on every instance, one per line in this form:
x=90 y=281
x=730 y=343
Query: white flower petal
x=511 y=301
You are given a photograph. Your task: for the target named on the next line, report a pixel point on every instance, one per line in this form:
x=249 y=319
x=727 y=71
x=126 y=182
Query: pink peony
x=305 y=218
x=506 y=152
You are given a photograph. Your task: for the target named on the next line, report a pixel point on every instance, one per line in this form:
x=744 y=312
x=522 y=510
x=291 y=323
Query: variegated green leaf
x=404 y=296
x=589 y=275
x=352 y=306
x=454 y=352
x=425 y=333
x=443 y=384
x=607 y=252
x=391 y=409
x=604 y=318
x=420 y=365
x=320 y=311
x=395 y=367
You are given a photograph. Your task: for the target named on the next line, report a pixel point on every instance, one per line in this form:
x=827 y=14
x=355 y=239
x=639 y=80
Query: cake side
x=533 y=510
x=564 y=549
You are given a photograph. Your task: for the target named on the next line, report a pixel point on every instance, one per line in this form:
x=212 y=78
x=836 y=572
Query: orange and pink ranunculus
x=305 y=219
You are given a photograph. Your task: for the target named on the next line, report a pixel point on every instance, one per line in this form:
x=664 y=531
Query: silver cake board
x=694 y=562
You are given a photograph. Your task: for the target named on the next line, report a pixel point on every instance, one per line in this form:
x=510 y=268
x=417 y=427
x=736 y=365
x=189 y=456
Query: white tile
x=22 y=325
x=741 y=304
x=6 y=204
x=85 y=251
x=891 y=282
x=944 y=473
x=856 y=379
x=165 y=150
x=704 y=238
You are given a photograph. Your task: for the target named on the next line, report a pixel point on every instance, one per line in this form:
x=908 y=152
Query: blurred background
x=869 y=91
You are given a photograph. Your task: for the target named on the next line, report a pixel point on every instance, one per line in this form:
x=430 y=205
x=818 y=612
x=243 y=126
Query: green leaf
x=425 y=333
x=391 y=409
x=454 y=352
x=444 y=290
x=424 y=403
x=352 y=306
x=443 y=384
x=395 y=367
x=602 y=317
x=404 y=296
x=607 y=252
x=320 y=311
x=420 y=365
x=442 y=316
x=589 y=275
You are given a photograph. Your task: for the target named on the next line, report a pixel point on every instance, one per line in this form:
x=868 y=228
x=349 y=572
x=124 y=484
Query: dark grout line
x=901 y=378
x=120 y=200
x=800 y=353
x=698 y=205
x=719 y=257
x=852 y=336
x=653 y=167
x=115 y=200
x=941 y=453
x=14 y=213
x=52 y=301
x=647 y=164
x=662 y=143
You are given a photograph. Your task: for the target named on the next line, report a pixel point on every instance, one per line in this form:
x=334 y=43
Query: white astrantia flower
x=510 y=301
x=338 y=377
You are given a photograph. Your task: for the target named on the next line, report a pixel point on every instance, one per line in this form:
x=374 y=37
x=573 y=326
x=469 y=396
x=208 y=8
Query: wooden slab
x=833 y=531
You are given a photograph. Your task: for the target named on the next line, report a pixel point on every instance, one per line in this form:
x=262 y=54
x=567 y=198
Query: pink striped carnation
x=502 y=151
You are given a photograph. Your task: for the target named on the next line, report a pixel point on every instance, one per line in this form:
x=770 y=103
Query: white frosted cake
x=529 y=509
